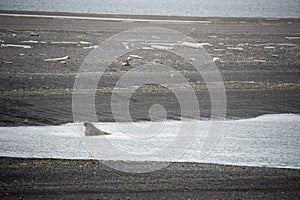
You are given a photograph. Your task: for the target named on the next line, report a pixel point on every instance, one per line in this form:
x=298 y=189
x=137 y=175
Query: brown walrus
x=91 y=130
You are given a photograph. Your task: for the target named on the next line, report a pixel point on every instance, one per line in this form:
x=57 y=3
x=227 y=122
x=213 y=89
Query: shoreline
x=52 y=178
x=145 y=18
x=13 y=159
x=7 y=161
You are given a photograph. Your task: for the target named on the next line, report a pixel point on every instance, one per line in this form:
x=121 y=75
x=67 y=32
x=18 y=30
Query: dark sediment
x=262 y=78
x=60 y=179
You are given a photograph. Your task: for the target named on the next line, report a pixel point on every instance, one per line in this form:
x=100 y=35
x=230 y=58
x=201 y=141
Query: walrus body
x=91 y=130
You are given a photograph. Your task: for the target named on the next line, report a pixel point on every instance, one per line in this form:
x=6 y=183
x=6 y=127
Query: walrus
x=91 y=130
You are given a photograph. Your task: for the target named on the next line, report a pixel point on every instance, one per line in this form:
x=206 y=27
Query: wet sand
x=259 y=62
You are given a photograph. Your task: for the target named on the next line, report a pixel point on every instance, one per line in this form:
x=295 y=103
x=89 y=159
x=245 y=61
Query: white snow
x=269 y=47
x=161 y=47
x=216 y=59
x=91 y=47
x=16 y=45
x=33 y=42
x=235 y=48
x=57 y=59
x=84 y=42
x=135 y=56
x=195 y=45
x=293 y=38
x=70 y=42
x=268 y=140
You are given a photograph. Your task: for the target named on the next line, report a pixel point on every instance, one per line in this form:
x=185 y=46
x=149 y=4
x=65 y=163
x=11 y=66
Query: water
x=269 y=140
x=202 y=8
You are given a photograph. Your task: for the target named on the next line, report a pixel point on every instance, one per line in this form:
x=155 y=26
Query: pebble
x=216 y=59
x=34 y=34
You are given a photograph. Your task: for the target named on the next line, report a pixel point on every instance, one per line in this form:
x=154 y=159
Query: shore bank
x=136 y=18
x=56 y=179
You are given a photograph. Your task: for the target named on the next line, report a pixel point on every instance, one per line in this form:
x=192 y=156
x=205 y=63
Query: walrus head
x=91 y=130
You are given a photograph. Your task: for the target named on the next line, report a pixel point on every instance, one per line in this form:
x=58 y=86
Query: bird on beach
x=126 y=63
x=91 y=130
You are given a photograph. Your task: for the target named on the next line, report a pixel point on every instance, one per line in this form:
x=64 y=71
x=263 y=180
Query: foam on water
x=268 y=140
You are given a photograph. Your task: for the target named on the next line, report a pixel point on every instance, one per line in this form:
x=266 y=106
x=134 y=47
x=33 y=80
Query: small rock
x=34 y=34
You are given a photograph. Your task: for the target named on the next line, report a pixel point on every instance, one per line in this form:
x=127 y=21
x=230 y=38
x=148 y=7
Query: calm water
x=269 y=140
x=203 y=8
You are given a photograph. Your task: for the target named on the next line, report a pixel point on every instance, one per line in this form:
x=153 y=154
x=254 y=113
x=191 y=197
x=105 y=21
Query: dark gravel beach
x=257 y=58
x=73 y=179
x=258 y=61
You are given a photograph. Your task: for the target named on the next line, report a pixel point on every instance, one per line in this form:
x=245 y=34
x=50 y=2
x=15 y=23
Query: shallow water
x=202 y=8
x=269 y=140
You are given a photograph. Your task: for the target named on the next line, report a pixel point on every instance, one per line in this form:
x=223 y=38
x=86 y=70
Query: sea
x=200 y=8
